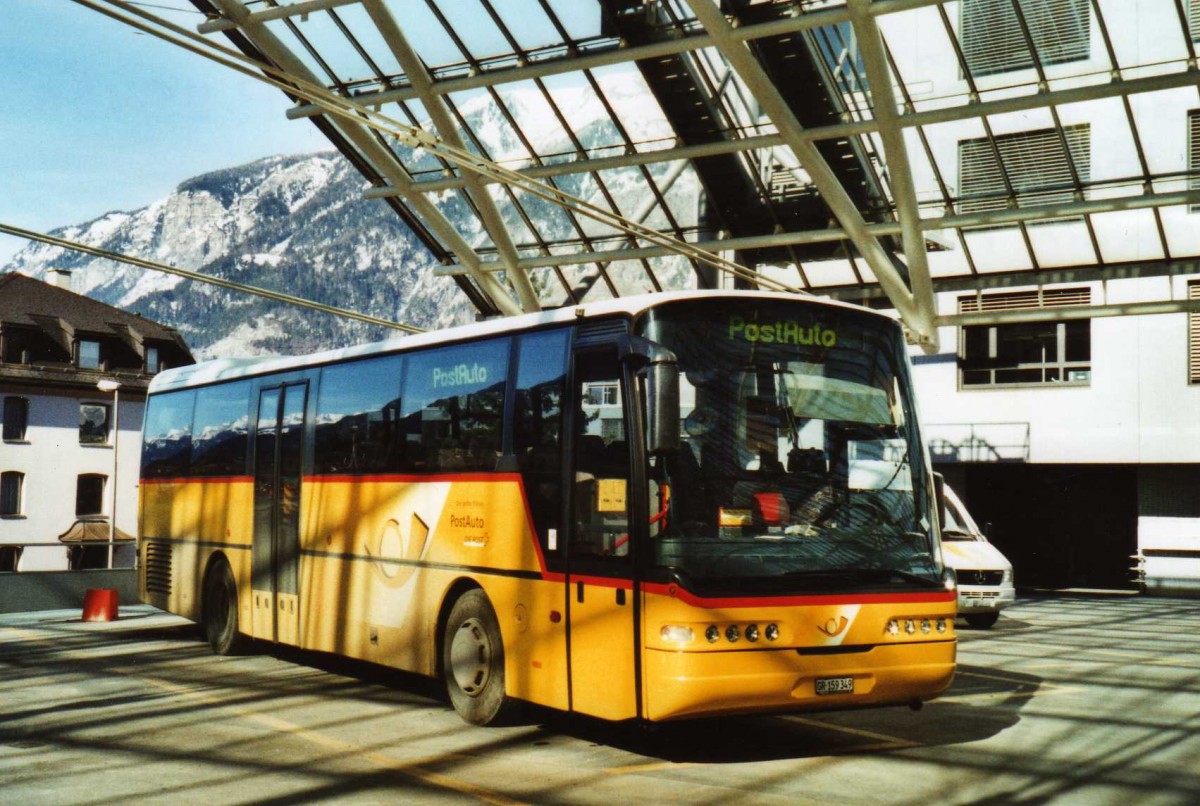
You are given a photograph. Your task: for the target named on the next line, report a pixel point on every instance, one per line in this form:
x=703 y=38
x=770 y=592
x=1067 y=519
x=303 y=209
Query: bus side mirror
x=662 y=407
x=661 y=374
x=939 y=494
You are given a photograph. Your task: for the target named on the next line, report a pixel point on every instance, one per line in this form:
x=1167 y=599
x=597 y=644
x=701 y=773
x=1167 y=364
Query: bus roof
x=224 y=369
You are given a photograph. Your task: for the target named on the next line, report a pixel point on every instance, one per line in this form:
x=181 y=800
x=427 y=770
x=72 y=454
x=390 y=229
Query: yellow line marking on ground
x=411 y=770
x=894 y=741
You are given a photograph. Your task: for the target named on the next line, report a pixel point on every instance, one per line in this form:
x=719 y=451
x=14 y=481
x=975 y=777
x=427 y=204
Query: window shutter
x=993 y=42
x=1193 y=19
x=1019 y=300
x=1036 y=164
x=1194 y=150
x=1193 y=341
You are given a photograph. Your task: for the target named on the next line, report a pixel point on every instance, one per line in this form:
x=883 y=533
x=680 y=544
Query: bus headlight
x=752 y=632
x=926 y=627
x=677 y=633
x=713 y=633
x=772 y=632
x=1007 y=579
x=949 y=579
x=732 y=633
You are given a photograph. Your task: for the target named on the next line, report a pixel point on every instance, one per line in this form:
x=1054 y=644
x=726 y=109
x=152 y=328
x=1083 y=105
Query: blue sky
x=97 y=117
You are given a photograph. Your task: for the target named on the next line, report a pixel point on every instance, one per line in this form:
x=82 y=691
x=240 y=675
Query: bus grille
x=158 y=567
x=980 y=577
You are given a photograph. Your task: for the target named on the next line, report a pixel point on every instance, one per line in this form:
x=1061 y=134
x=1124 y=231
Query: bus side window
x=453 y=406
x=537 y=429
x=357 y=425
x=167 y=442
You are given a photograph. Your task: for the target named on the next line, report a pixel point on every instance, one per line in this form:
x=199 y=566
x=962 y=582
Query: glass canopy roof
x=580 y=149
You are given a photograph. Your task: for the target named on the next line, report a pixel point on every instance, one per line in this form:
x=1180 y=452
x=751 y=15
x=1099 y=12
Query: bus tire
x=220 y=611
x=473 y=661
x=982 y=621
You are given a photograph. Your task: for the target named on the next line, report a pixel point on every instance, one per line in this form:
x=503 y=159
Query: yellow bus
x=648 y=508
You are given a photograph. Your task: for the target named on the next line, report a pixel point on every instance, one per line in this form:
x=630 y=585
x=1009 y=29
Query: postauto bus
x=658 y=507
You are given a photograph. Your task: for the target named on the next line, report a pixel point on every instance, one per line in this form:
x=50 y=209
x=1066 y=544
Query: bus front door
x=278 y=456
x=601 y=587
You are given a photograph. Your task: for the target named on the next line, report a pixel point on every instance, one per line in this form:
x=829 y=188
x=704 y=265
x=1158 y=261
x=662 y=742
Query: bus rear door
x=278 y=458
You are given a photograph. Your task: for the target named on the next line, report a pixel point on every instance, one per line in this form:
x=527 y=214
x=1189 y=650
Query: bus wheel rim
x=470 y=657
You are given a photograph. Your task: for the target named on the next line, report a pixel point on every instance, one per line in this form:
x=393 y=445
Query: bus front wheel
x=220 y=608
x=473 y=661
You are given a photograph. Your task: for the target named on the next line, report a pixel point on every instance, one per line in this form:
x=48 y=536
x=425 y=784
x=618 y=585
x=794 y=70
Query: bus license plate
x=835 y=685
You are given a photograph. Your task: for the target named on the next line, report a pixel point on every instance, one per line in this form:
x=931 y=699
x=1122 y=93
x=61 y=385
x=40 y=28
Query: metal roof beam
x=476 y=188
x=665 y=155
x=895 y=153
x=276 y=13
x=980 y=219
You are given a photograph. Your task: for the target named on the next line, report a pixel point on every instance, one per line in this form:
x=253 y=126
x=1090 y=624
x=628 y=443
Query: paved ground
x=1088 y=700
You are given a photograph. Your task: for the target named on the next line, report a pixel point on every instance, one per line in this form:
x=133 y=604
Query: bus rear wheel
x=473 y=661
x=220 y=611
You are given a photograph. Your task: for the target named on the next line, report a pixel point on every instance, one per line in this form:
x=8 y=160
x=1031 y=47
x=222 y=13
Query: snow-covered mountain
x=299 y=224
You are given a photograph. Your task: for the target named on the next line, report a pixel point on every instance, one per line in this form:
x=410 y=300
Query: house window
x=16 y=418
x=11 y=486
x=89 y=494
x=1025 y=353
x=93 y=424
x=152 y=363
x=89 y=354
x=1193 y=19
x=1193 y=337
x=601 y=394
x=1035 y=164
x=994 y=40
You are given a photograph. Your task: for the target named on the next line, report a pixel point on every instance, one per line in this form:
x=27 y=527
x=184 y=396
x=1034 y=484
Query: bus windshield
x=801 y=466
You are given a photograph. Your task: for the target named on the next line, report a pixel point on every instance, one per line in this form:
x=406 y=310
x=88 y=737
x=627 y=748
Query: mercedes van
x=985 y=577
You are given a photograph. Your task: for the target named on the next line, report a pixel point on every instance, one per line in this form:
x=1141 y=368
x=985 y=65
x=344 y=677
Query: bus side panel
x=191 y=520
x=740 y=676
x=381 y=554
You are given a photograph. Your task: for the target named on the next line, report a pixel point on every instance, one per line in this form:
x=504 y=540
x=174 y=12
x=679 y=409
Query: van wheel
x=473 y=661
x=220 y=611
x=982 y=620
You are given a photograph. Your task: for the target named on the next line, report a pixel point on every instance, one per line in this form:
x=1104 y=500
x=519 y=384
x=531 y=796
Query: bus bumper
x=689 y=684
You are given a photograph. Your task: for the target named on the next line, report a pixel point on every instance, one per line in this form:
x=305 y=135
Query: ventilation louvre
x=1193 y=341
x=158 y=567
x=1018 y=300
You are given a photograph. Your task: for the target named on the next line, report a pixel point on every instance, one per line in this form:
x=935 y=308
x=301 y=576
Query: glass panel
x=453 y=405
x=89 y=494
x=601 y=462
x=358 y=414
x=537 y=428
x=93 y=424
x=167 y=442
x=220 y=434
x=89 y=354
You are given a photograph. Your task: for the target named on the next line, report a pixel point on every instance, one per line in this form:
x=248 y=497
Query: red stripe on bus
x=938 y=597
x=412 y=478
x=201 y=480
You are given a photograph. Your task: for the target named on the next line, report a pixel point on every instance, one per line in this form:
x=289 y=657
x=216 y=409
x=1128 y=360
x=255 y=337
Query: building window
x=1035 y=164
x=994 y=40
x=152 y=362
x=601 y=394
x=1193 y=339
x=89 y=494
x=16 y=418
x=1193 y=19
x=93 y=424
x=1025 y=353
x=89 y=354
x=1193 y=162
x=11 y=486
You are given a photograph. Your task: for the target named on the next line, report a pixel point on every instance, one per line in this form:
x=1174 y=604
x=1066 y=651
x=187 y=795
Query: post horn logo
x=834 y=626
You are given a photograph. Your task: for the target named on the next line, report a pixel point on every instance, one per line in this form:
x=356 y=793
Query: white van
x=985 y=577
